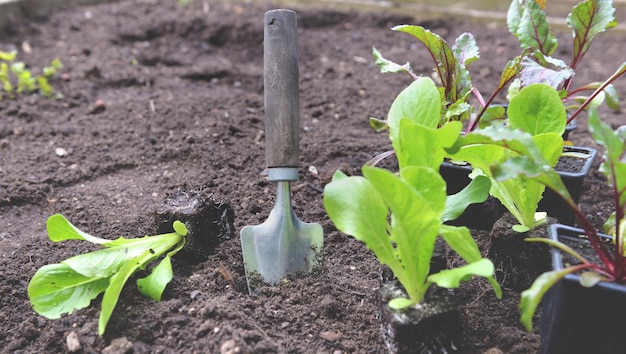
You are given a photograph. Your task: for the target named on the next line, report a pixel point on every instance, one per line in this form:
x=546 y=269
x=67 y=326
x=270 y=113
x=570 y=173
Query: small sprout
x=8 y=56
x=16 y=78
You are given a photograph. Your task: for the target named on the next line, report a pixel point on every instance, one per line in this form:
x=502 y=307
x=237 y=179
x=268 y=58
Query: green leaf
x=420 y=103
x=613 y=167
x=119 y=279
x=339 y=175
x=457 y=111
x=451 y=278
x=465 y=52
x=4 y=78
x=461 y=241
x=8 y=56
x=521 y=228
x=489 y=148
x=590 y=279
x=538 y=170
x=537 y=109
x=441 y=53
x=388 y=66
x=60 y=229
x=52 y=69
x=547 y=70
x=428 y=184
x=44 y=86
x=493 y=116
x=57 y=289
x=400 y=303
x=475 y=192
x=419 y=145
x=594 y=103
x=414 y=221
x=356 y=209
x=154 y=284
x=532 y=27
x=531 y=297
x=514 y=16
x=379 y=125
x=56 y=63
x=18 y=68
x=508 y=73
x=587 y=19
x=104 y=262
x=611 y=96
x=610 y=225
x=180 y=228
x=465 y=49
x=112 y=292
x=358 y=206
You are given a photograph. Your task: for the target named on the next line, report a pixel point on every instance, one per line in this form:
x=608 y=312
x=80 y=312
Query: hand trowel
x=282 y=247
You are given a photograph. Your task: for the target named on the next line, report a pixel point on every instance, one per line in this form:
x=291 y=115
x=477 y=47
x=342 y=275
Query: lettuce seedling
x=527 y=21
x=26 y=82
x=400 y=216
x=611 y=266
x=536 y=121
x=61 y=288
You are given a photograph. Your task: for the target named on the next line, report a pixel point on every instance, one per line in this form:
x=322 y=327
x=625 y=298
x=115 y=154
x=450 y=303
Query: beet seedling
x=452 y=76
x=611 y=266
x=61 y=288
x=527 y=21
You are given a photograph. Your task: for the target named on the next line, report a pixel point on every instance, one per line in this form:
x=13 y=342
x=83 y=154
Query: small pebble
x=330 y=336
x=73 y=345
x=26 y=48
x=493 y=351
x=60 y=152
x=118 y=345
x=230 y=347
x=98 y=107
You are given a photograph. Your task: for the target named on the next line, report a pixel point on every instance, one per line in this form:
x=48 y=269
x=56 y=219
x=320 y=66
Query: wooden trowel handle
x=281 y=85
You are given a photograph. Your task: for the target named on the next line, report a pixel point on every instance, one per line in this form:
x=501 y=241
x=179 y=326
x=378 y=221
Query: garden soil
x=159 y=99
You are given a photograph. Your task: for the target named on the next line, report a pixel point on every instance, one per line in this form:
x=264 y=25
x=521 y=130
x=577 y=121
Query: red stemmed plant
x=611 y=264
x=527 y=21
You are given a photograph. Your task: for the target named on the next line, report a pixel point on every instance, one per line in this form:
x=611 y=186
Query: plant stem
x=595 y=93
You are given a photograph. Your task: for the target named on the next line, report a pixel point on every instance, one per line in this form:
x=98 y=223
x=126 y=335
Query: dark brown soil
x=183 y=95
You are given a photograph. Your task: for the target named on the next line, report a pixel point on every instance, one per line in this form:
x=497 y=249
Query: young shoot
x=16 y=78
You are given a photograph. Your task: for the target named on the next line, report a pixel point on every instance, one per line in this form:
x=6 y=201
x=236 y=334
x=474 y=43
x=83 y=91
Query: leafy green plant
x=536 y=121
x=452 y=76
x=527 y=21
x=15 y=78
x=611 y=266
x=61 y=288
x=400 y=216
